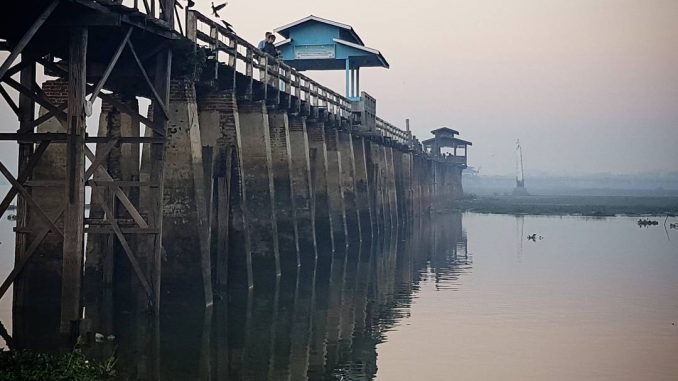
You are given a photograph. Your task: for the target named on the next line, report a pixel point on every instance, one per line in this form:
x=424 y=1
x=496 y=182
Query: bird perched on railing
x=217 y=8
x=228 y=26
x=189 y=4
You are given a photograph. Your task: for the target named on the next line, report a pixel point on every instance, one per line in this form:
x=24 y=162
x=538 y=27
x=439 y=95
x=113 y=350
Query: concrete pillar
x=186 y=270
x=303 y=190
x=345 y=148
x=318 y=160
x=391 y=185
x=37 y=291
x=281 y=166
x=258 y=198
x=362 y=188
x=334 y=181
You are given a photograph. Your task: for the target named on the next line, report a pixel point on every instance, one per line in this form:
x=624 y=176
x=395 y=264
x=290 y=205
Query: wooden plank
x=158 y=100
x=26 y=38
x=73 y=246
x=163 y=71
x=111 y=65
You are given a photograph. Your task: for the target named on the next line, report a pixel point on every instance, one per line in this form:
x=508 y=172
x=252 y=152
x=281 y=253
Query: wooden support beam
x=29 y=199
x=163 y=72
x=121 y=106
x=42 y=101
x=24 y=173
x=128 y=251
x=9 y=100
x=27 y=37
x=101 y=155
x=158 y=100
x=111 y=65
x=18 y=268
x=124 y=200
x=74 y=214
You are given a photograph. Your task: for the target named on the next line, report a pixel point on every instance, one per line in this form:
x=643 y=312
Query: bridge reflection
x=325 y=323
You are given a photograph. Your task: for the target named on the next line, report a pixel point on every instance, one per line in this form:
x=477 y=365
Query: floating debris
x=645 y=222
x=533 y=237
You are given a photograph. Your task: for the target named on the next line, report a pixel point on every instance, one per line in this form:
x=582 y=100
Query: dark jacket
x=270 y=49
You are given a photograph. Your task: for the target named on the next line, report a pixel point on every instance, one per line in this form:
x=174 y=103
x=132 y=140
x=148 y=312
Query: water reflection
x=324 y=323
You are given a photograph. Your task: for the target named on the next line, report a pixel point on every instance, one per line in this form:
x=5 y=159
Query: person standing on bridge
x=262 y=43
x=269 y=46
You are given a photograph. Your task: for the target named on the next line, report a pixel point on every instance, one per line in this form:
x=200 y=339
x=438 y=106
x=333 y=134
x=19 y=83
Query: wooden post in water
x=74 y=214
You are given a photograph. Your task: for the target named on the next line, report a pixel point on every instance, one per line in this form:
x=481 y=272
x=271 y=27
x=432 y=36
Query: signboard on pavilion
x=310 y=52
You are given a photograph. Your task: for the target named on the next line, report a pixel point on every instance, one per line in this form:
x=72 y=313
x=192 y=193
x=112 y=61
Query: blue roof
x=315 y=43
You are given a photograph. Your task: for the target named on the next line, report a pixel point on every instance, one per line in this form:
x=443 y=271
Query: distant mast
x=519 y=190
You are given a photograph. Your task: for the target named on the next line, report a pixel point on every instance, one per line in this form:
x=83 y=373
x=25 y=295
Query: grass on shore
x=29 y=366
x=596 y=206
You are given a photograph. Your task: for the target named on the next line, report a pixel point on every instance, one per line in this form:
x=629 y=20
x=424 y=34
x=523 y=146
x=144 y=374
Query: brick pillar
x=37 y=290
x=218 y=113
x=186 y=271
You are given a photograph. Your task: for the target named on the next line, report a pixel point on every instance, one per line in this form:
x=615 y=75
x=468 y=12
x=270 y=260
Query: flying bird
x=216 y=8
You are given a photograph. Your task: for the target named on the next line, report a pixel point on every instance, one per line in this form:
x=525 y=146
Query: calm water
x=466 y=297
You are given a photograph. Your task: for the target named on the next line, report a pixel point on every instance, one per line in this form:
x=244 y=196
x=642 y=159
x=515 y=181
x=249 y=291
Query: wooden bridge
x=247 y=170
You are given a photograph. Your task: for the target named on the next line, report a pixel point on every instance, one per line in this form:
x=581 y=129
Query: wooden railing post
x=191 y=26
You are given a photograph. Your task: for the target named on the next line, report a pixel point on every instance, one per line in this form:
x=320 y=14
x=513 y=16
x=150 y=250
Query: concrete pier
x=318 y=159
x=186 y=200
x=302 y=190
x=334 y=189
x=281 y=167
x=348 y=193
x=258 y=197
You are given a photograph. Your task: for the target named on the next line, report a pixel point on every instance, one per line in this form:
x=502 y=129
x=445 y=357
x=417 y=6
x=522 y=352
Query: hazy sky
x=587 y=85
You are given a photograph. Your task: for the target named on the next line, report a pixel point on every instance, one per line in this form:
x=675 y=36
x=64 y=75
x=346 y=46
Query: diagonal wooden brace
x=158 y=100
x=23 y=42
x=29 y=199
x=18 y=268
x=24 y=174
x=128 y=250
x=100 y=157
x=118 y=192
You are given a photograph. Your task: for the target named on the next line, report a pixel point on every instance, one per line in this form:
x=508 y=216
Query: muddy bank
x=599 y=206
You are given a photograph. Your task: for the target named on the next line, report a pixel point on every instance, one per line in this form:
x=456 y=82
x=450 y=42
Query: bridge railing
x=390 y=131
x=243 y=57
